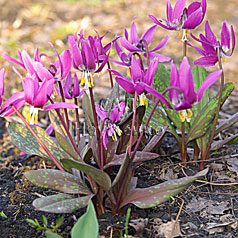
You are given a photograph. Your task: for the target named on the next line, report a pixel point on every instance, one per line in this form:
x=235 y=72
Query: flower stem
x=184 y=48
x=132 y=124
x=66 y=129
x=183 y=146
x=101 y=144
x=95 y=122
x=110 y=74
x=217 y=111
x=77 y=121
x=63 y=100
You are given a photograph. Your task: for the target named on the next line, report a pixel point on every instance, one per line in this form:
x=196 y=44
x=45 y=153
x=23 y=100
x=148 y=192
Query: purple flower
x=140 y=81
x=87 y=58
x=184 y=81
x=211 y=45
x=181 y=17
x=139 y=44
x=110 y=128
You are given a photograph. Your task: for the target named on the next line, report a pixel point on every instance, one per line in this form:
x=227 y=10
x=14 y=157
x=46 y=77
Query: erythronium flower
x=211 y=45
x=140 y=81
x=36 y=95
x=139 y=44
x=110 y=128
x=181 y=17
x=184 y=81
x=71 y=89
x=86 y=58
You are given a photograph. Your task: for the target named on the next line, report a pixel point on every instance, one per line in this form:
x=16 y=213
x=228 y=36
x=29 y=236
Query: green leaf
x=157 y=194
x=50 y=234
x=22 y=138
x=32 y=222
x=203 y=120
x=61 y=203
x=121 y=175
x=44 y=220
x=199 y=75
x=58 y=180
x=2 y=214
x=59 y=221
x=97 y=175
x=87 y=224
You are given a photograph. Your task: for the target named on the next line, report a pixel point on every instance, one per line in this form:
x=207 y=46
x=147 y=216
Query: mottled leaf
x=227 y=141
x=139 y=157
x=124 y=172
x=157 y=194
x=205 y=117
x=87 y=224
x=22 y=138
x=97 y=175
x=58 y=180
x=112 y=98
x=61 y=203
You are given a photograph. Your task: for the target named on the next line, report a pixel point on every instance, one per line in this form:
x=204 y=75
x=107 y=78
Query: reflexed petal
x=104 y=138
x=28 y=63
x=199 y=50
x=158 y=95
x=193 y=7
x=148 y=34
x=206 y=61
x=209 y=34
x=66 y=62
x=162 y=43
x=136 y=71
x=183 y=105
x=210 y=80
x=102 y=64
x=169 y=11
x=42 y=72
x=77 y=57
x=225 y=36
x=9 y=58
x=59 y=105
x=194 y=20
x=126 y=44
x=101 y=112
x=45 y=89
x=178 y=9
x=2 y=73
x=67 y=86
x=30 y=87
x=154 y=19
x=90 y=59
x=139 y=88
x=186 y=81
x=76 y=89
x=149 y=75
x=117 y=111
x=134 y=35
x=174 y=82
x=126 y=84
x=233 y=39
x=160 y=57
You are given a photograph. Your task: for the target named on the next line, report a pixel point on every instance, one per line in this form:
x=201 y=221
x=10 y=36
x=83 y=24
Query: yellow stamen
x=181 y=116
x=189 y=113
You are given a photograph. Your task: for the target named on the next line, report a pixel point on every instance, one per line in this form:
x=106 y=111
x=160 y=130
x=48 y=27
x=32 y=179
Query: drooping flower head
x=186 y=97
x=139 y=44
x=140 y=81
x=180 y=17
x=86 y=57
x=211 y=45
x=110 y=128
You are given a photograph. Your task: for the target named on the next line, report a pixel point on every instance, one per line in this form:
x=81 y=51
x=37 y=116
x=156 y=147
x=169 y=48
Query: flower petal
x=134 y=35
x=59 y=105
x=210 y=80
x=101 y=112
x=148 y=34
x=126 y=84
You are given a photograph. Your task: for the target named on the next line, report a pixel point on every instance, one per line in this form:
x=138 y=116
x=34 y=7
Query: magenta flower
x=86 y=58
x=181 y=17
x=184 y=81
x=140 y=80
x=139 y=44
x=109 y=122
x=211 y=45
